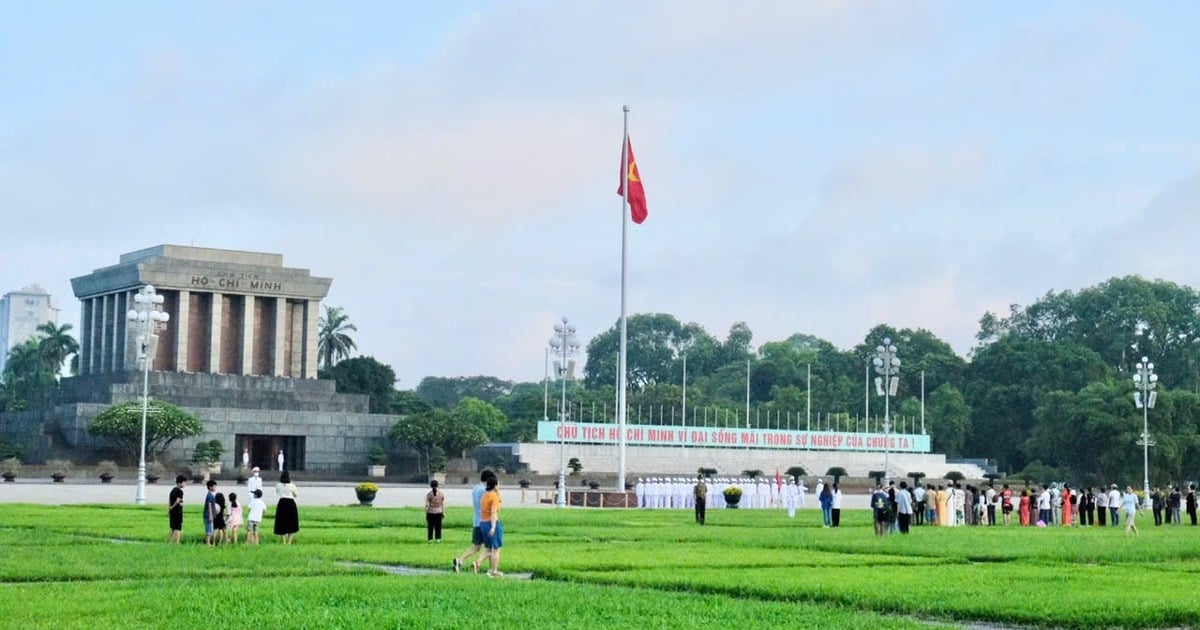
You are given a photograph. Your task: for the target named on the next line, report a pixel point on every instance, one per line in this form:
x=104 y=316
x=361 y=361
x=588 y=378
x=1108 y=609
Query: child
x=210 y=510
x=219 y=520
x=257 y=508
x=235 y=518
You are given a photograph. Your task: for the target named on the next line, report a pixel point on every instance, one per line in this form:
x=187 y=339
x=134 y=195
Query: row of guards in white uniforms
x=757 y=493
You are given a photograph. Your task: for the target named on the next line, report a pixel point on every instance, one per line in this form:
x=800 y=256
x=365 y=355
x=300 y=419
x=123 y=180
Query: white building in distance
x=21 y=312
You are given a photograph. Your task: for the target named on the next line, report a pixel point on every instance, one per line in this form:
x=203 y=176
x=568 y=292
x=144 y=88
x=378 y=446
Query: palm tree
x=333 y=342
x=55 y=345
x=24 y=362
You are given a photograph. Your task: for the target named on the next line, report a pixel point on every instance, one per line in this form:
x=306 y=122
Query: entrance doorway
x=264 y=451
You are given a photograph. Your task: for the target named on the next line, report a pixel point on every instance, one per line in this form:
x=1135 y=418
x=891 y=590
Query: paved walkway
x=328 y=493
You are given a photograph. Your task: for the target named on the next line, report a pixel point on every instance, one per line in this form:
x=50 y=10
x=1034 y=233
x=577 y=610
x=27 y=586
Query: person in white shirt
x=639 y=490
x=904 y=507
x=245 y=458
x=919 y=507
x=790 y=496
x=279 y=459
x=254 y=482
x=801 y=490
x=837 y=506
x=1114 y=505
x=990 y=504
x=1044 y=503
x=1101 y=506
x=960 y=503
x=254 y=521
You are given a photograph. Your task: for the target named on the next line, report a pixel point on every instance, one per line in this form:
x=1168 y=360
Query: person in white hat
x=254 y=482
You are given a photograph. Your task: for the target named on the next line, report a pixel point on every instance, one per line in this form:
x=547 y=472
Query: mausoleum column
x=248 y=335
x=214 y=339
x=180 y=322
x=311 y=331
x=277 y=367
x=103 y=329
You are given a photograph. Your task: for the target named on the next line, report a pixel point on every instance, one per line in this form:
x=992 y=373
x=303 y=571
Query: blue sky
x=814 y=167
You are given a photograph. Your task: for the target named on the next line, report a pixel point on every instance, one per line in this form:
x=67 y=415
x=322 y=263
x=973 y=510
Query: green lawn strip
x=1059 y=596
x=375 y=601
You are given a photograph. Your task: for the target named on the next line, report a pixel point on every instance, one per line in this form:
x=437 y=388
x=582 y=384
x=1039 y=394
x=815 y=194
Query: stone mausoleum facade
x=239 y=351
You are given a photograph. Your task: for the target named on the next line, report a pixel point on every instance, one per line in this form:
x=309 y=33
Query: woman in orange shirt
x=493 y=531
x=1068 y=509
x=1024 y=506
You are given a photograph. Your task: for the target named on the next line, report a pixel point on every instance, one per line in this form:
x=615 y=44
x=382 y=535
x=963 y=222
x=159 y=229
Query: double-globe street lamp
x=147 y=318
x=887 y=366
x=564 y=345
x=1145 y=380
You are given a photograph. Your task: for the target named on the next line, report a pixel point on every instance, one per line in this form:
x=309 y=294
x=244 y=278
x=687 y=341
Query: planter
x=106 y=478
x=9 y=477
x=58 y=477
x=365 y=499
x=377 y=470
x=524 y=483
x=732 y=502
x=152 y=478
x=594 y=485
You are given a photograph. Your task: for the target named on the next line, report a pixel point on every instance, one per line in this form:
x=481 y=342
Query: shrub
x=155 y=469
x=837 y=472
x=796 y=471
x=207 y=453
x=10 y=466
x=107 y=467
x=707 y=472
x=376 y=456
x=953 y=475
x=733 y=492
x=575 y=465
x=753 y=474
x=366 y=487
x=11 y=450
x=62 y=466
x=877 y=475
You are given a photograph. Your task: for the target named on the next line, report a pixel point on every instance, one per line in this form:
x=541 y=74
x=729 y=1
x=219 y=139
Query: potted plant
x=208 y=456
x=594 y=485
x=243 y=475
x=575 y=465
x=733 y=496
x=108 y=470
x=10 y=467
x=366 y=492
x=59 y=469
x=524 y=483
x=154 y=472
x=377 y=461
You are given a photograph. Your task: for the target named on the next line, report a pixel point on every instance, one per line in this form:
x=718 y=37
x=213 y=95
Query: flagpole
x=621 y=379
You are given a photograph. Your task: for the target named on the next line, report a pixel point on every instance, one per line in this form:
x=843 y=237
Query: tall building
x=21 y=312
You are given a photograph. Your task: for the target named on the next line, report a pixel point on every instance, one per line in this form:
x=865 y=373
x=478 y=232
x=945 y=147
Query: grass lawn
x=109 y=567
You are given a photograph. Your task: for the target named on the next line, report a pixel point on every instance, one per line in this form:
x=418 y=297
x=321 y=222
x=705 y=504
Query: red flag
x=778 y=480
x=637 y=194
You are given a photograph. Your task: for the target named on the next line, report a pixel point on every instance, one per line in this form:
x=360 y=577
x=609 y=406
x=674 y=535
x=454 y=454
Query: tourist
x=879 y=508
x=1068 y=507
x=931 y=513
x=1101 y=506
x=210 y=510
x=1023 y=507
x=435 y=511
x=493 y=535
x=254 y=521
x=1157 y=502
x=235 y=518
x=175 y=509
x=700 y=498
x=287 y=517
x=476 y=532
x=1176 y=504
x=826 y=500
x=1129 y=503
x=1191 y=503
x=990 y=503
x=1114 y=505
x=943 y=506
x=960 y=499
x=904 y=507
x=893 y=522
x=1044 y=506
x=836 y=512
x=919 y=507
x=1006 y=504
x=219 y=527
x=1087 y=508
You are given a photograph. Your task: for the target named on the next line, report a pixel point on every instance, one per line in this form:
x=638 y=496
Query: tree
x=333 y=340
x=56 y=345
x=447 y=392
x=489 y=420
x=837 y=472
x=916 y=477
x=877 y=475
x=795 y=472
x=365 y=375
x=949 y=420
x=422 y=432
x=406 y=401
x=953 y=476
x=121 y=425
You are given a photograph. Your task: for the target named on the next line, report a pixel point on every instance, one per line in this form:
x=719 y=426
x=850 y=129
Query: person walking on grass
x=254 y=522
x=493 y=535
x=210 y=511
x=1130 y=505
x=476 y=532
x=880 y=510
x=287 y=517
x=700 y=498
x=235 y=518
x=435 y=511
x=175 y=509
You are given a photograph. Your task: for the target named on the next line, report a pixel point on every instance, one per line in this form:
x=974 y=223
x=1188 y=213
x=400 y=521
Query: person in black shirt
x=175 y=509
x=1156 y=502
x=1191 y=503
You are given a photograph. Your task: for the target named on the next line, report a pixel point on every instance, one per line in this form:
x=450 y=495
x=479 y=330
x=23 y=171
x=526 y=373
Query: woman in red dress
x=1024 y=506
x=1068 y=509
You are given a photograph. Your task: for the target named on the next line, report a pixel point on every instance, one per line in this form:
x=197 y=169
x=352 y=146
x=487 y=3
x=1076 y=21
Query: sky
x=817 y=167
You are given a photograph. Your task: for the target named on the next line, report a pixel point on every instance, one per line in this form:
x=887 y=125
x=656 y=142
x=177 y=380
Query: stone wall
x=215 y=391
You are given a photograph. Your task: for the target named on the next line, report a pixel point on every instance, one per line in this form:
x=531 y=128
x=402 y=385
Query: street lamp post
x=563 y=344
x=887 y=366
x=1145 y=380
x=147 y=318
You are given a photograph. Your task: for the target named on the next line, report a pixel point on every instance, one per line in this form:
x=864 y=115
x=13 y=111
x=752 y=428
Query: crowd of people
x=223 y=518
